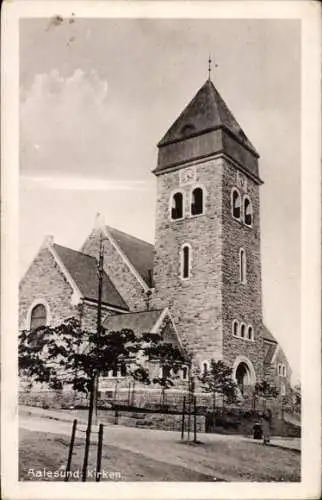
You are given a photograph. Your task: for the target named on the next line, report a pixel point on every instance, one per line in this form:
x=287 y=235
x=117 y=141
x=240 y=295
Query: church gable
x=125 y=278
x=46 y=283
x=83 y=270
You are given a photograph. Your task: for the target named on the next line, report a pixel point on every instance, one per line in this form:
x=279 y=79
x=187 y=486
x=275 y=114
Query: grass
x=44 y=450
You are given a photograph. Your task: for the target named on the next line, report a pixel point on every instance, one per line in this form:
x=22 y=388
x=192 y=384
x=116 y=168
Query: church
x=200 y=284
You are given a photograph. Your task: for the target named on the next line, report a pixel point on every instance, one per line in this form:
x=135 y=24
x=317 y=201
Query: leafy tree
x=265 y=390
x=67 y=354
x=218 y=380
x=296 y=398
x=169 y=358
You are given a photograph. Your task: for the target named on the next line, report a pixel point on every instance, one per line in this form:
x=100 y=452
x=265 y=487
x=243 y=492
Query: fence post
x=194 y=420
x=129 y=395
x=89 y=428
x=71 y=446
x=99 y=453
x=133 y=394
x=183 y=417
x=116 y=415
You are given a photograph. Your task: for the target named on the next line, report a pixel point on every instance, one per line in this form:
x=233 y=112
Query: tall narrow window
x=235 y=328
x=38 y=317
x=248 y=212
x=204 y=368
x=242 y=266
x=197 y=201
x=235 y=204
x=184 y=373
x=165 y=372
x=250 y=333
x=177 y=206
x=123 y=370
x=242 y=331
x=185 y=261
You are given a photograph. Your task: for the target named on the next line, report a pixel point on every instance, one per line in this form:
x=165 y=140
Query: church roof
x=139 y=322
x=267 y=335
x=140 y=253
x=270 y=353
x=83 y=270
x=206 y=111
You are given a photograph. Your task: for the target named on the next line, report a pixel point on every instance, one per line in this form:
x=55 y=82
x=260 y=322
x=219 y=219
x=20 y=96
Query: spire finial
x=210 y=67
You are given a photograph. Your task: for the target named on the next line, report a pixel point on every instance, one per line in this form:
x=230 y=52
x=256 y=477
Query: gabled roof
x=83 y=270
x=271 y=348
x=268 y=336
x=207 y=111
x=140 y=253
x=145 y=322
x=139 y=322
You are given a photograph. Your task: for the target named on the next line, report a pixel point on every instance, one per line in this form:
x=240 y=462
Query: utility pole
x=100 y=271
x=92 y=410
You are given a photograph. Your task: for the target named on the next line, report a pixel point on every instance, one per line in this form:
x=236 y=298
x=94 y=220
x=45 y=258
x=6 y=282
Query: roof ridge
x=73 y=250
x=129 y=235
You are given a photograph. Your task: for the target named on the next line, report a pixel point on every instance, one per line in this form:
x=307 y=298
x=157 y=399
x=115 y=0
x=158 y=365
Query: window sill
x=177 y=220
x=243 y=338
x=241 y=223
x=191 y=216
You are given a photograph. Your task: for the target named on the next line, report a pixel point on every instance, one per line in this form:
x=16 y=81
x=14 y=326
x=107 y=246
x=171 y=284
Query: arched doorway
x=244 y=373
x=242 y=376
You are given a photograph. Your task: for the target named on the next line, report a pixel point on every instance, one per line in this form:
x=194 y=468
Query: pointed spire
x=99 y=221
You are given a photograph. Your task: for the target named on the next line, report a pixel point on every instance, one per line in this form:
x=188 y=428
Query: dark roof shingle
x=206 y=111
x=140 y=253
x=83 y=270
x=270 y=351
x=267 y=335
x=139 y=322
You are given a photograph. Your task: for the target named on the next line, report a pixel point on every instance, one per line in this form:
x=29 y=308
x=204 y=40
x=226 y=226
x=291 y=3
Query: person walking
x=266 y=425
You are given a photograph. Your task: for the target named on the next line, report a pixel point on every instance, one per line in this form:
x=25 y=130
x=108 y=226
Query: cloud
x=64 y=124
x=74 y=183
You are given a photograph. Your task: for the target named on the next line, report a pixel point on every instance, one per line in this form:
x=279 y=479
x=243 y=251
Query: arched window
x=242 y=331
x=177 y=206
x=185 y=261
x=38 y=317
x=197 y=201
x=235 y=328
x=250 y=333
x=235 y=204
x=284 y=371
x=248 y=212
x=204 y=368
x=242 y=266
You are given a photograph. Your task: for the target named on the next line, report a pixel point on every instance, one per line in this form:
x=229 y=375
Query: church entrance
x=242 y=376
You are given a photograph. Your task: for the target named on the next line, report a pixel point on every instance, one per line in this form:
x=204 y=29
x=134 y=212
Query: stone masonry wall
x=45 y=281
x=242 y=302
x=194 y=303
x=89 y=316
x=271 y=371
x=118 y=271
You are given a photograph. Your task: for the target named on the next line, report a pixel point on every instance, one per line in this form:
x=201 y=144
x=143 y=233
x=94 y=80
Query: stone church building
x=201 y=282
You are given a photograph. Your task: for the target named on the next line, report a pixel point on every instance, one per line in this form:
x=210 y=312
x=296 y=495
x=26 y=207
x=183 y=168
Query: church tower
x=207 y=267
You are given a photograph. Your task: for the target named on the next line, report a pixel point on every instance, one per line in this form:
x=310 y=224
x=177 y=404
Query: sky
x=96 y=95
